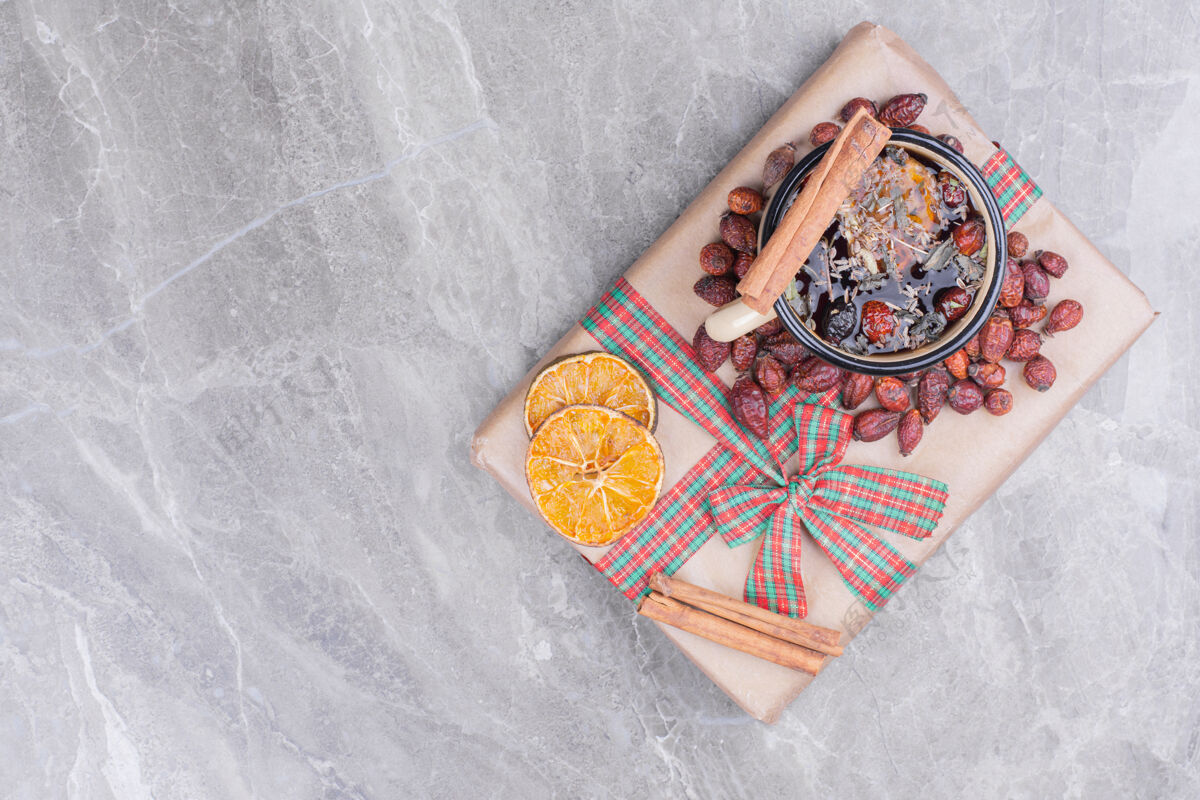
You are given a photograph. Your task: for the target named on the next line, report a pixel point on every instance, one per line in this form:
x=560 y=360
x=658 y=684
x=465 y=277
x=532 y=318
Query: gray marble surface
x=266 y=266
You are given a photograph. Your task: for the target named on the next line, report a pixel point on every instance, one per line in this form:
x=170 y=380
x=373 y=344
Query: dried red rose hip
x=856 y=389
x=741 y=264
x=770 y=327
x=744 y=200
x=742 y=351
x=994 y=338
x=1018 y=244
x=1025 y=345
x=902 y=110
x=854 y=105
x=770 y=374
x=1066 y=315
x=987 y=374
x=998 y=402
x=892 y=394
x=873 y=425
x=779 y=162
x=878 y=322
x=909 y=431
x=1026 y=314
x=1037 y=282
x=952 y=141
x=965 y=397
x=969 y=236
x=957 y=363
x=715 y=290
x=815 y=375
x=953 y=302
x=749 y=404
x=738 y=232
x=1012 y=290
x=785 y=348
x=953 y=192
x=823 y=132
x=1040 y=373
x=972 y=347
x=931 y=392
x=1053 y=263
x=710 y=353
x=716 y=258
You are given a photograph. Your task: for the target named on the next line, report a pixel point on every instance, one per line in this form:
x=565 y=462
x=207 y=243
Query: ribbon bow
x=829 y=501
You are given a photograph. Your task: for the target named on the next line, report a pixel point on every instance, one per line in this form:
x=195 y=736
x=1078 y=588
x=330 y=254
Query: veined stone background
x=265 y=266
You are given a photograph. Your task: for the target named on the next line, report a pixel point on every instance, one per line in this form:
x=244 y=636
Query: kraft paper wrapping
x=870 y=62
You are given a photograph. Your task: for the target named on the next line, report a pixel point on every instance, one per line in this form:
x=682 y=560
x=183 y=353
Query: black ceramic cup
x=960 y=331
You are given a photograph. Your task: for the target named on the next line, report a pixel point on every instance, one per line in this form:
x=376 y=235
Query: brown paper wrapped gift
x=870 y=62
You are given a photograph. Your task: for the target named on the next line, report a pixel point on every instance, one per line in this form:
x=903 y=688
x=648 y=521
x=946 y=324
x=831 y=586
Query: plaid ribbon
x=624 y=323
x=829 y=501
x=681 y=521
x=1015 y=190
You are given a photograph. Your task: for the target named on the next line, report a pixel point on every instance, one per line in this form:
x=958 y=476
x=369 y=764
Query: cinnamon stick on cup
x=835 y=177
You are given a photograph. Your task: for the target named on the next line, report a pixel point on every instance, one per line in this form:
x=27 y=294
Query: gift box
x=651 y=313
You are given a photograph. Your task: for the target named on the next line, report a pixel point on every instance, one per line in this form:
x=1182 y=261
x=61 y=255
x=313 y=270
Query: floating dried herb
x=969 y=269
x=939 y=259
x=929 y=326
x=857 y=346
x=892 y=268
x=819 y=276
x=899 y=211
x=791 y=292
x=871 y=282
x=870 y=263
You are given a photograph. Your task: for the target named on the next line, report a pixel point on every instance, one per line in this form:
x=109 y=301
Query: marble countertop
x=266 y=267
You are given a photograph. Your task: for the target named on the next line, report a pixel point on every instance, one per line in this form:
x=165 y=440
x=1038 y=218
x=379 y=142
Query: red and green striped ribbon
x=1013 y=188
x=829 y=501
x=624 y=323
x=681 y=521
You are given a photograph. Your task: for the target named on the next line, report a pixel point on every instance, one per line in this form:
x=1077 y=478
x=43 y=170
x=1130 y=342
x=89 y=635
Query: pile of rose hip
x=770 y=358
x=972 y=377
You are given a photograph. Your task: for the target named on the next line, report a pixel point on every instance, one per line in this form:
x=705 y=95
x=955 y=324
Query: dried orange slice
x=589 y=378
x=593 y=472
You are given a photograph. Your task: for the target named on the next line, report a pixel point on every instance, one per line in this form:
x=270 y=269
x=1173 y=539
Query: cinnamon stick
x=837 y=174
x=670 y=611
x=805 y=634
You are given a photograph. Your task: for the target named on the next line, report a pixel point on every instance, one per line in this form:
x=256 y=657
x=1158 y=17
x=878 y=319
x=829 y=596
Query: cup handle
x=733 y=320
